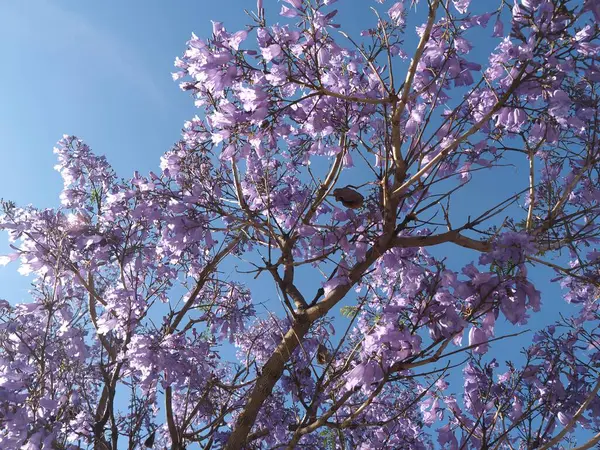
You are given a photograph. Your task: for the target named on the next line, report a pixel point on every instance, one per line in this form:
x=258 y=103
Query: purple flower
x=271 y=52
x=593 y=6
x=446 y=438
x=498 y=28
x=461 y=5
x=559 y=104
x=513 y=119
x=477 y=337
x=364 y=374
x=396 y=13
x=563 y=418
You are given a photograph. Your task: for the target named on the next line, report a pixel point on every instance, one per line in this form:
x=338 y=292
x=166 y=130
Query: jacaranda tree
x=309 y=268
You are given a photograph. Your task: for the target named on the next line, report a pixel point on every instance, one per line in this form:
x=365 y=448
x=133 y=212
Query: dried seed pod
x=323 y=355
x=149 y=443
x=349 y=197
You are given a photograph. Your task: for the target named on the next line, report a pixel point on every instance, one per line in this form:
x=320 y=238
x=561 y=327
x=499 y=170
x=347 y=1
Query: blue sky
x=100 y=70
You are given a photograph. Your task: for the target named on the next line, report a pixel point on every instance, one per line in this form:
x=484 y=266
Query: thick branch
x=452 y=236
x=170 y=418
x=319 y=422
x=273 y=369
x=327 y=185
x=574 y=419
x=287 y=286
x=589 y=444
x=410 y=75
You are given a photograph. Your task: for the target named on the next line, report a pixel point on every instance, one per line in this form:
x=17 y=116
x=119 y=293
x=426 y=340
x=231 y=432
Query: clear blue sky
x=100 y=70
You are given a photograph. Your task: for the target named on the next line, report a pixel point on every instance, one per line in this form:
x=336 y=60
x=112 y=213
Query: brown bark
x=273 y=369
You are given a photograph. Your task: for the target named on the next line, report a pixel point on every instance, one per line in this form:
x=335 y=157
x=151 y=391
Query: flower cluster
x=308 y=268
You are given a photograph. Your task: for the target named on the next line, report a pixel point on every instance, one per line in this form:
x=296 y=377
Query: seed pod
x=349 y=197
x=149 y=443
x=323 y=355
